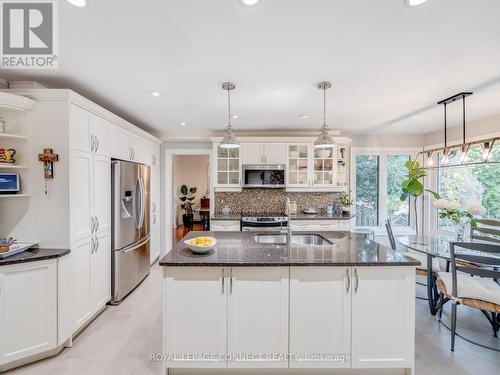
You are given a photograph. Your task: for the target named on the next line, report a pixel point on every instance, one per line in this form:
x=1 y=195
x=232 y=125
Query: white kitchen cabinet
x=81 y=309
x=101 y=136
x=325 y=225
x=383 y=332
x=195 y=315
x=274 y=153
x=101 y=193
x=263 y=153
x=225 y=225
x=298 y=160
x=141 y=152
x=100 y=271
x=251 y=153
x=88 y=132
x=81 y=191
x=90 y=197
x=320 y=317
x=119 y=147
x=227 y=167
x=28 y=309
x=258 y=315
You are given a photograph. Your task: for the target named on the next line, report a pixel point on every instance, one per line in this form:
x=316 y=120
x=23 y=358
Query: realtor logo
x=29 y=34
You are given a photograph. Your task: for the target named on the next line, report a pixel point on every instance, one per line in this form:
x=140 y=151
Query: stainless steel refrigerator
x=130 y=227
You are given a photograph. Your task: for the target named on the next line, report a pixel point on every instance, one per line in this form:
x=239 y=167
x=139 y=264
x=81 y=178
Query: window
x=367 y=210
x=377 y=176
x=473 y=183
x=397 y=210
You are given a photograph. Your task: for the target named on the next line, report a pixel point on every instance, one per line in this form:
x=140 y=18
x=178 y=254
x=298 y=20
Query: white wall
x=190 y=170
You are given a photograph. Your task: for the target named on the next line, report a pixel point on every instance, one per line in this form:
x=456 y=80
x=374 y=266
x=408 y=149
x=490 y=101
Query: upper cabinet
x=88 y=132
x=263 y=153
x=307 y=168
x=227 y=167
x=130 y=147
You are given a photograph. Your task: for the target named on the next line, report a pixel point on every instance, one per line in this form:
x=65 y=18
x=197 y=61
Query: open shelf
x=10 y=102
x=12 y=166
x=13 y=136
x=14 y=195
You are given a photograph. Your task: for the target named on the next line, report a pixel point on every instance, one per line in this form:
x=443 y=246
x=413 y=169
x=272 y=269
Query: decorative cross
x=48 y=158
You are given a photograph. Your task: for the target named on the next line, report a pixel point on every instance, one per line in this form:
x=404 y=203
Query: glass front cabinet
x=227 y=167
x=315 y=168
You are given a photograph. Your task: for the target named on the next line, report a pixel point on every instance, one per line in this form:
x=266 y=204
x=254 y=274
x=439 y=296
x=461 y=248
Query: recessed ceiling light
x=414 y=3
x=78 y=3
x=304 y=116
x=250 y=3
x=183 y=124
x=155 y=93
x=235 y=116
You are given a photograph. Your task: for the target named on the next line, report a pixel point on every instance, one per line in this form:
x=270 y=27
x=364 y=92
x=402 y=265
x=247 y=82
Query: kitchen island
x=328 y=300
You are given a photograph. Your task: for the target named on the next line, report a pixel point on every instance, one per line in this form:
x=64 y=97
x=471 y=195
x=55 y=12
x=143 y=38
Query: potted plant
x=412 y=186
x=346 y=202
x=187 y=197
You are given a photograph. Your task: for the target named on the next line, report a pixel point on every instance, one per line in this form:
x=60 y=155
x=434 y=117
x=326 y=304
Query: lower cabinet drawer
x=225 y=225
x=315 y=225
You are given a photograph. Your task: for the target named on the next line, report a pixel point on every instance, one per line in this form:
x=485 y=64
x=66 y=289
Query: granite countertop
x=240 y=249
x=320 y=216
x=225 y=217
x=33 y=255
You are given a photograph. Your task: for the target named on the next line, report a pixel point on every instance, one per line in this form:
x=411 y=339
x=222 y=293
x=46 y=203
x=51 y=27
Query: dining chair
x=422 y=258
x=471 y=286
x=487 y=230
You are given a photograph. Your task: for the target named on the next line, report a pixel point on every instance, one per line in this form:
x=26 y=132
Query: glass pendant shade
x=324 y=139
x=229 y=140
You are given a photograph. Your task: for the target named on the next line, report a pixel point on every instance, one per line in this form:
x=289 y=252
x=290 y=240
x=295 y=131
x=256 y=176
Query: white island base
x=289 y=320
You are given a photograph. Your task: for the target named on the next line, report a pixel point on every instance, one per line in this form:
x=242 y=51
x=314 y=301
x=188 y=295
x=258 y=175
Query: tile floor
x=120 y=340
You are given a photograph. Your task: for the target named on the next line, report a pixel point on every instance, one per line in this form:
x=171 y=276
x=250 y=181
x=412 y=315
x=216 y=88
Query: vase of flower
x=462 y=220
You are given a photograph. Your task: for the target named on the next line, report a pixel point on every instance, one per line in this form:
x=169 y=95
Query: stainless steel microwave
x=9 y=183
x=267 y=176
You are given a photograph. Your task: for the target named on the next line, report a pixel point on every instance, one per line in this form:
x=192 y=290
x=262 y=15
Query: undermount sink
x=297 y=239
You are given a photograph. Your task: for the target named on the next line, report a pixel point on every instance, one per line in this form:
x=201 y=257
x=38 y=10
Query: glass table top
x=437 y=246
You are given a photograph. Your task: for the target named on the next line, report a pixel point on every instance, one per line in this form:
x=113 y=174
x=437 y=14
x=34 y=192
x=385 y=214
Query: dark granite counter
x=33 y=255
x=225 y=217
x=240 y=249
x=321 y=216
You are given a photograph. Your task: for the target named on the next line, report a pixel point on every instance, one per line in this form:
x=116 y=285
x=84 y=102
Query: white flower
x=444 y=204
x=476 y=209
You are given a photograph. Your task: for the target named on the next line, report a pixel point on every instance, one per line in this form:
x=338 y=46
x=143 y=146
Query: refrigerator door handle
x=142 y=210
x=135 y=246
x=137 y=203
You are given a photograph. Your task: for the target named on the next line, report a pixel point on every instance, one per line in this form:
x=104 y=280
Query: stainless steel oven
x=268 y=176
x=263 y=223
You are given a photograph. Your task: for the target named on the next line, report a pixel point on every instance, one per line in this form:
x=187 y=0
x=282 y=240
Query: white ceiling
x=389 y=63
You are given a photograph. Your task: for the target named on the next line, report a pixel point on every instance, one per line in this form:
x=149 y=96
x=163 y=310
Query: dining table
x=434 y=246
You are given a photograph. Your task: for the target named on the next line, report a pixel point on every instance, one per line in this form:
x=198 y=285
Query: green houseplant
x=346 y=201
x=187 y=197
x=412 y=186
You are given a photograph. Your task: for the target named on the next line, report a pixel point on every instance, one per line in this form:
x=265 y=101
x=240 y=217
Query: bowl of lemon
x=201 y=245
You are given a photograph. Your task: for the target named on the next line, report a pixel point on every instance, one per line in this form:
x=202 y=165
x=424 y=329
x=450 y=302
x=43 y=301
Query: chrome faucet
x=288 y=226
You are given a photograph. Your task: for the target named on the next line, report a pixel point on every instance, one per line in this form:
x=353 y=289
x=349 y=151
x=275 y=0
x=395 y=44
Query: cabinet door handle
x=223 y=277
x=133 y=154
x=357 y=280
x=92 y=224
x=348 y=281
x=92 y=245
x=96 y=143
x=231 y=281
x=97 y=224
x=130 y=153
x=96 y=244
x=91 y=143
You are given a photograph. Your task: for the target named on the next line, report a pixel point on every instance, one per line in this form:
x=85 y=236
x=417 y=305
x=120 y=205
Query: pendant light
x=229 y=140
x=447 y=152
x=324 y=139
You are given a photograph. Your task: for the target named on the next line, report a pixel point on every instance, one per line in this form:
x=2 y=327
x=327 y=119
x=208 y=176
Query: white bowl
x=200 y=249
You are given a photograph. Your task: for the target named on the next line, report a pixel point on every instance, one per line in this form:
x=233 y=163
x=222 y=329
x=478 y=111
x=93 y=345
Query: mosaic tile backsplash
x=272 y=201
